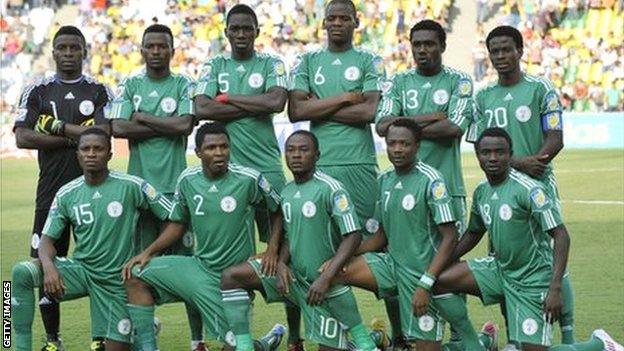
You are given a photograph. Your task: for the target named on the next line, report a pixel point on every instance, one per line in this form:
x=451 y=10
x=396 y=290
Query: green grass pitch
x=596 y=257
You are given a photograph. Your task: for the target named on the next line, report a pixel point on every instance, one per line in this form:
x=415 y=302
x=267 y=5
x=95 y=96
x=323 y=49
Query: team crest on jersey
x=308 y=209
x=119 y=93
x=378 y=64
x=187 y=239
x=279 y=68
x=438 y=190
x=529 y=326
x=255 y=80
x=554 y=120
x=523 y=113
x=228 y=204
x=205 y=72
x=168 y=104
x=296 y=64
x=149 y=191
x=372 y=225
x=114 y=209
x=124 y=326
x=552 y=101
x=426 y=323
x=440 y=97
x=34 y=241
x=538 y=197
x=341 y=202
x=86 y=107
x=352 y=73
x=505 y=212
x=408 y=202
x=465 y=87
x=264 y=185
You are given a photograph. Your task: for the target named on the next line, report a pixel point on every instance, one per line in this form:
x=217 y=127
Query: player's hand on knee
x=141 y=260
x=420 y=301
x=53 y=284
x=316 y=293
x=269 y=262
x=284 y=278
x=553 y=304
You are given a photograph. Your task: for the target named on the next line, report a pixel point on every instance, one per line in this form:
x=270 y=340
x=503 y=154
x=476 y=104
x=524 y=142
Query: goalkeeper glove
x=88 y=122
x=49 y=125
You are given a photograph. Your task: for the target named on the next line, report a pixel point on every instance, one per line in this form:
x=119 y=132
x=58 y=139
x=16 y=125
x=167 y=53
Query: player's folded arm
x=272 y=101
x=207 y=108
x=26 y=138
x=171 y=126
x=359 y=113
x=303 y=107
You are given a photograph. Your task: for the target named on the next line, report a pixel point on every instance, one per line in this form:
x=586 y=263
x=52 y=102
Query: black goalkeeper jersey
x=70 y=101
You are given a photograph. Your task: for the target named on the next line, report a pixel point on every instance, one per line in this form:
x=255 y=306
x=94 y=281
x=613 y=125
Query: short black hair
x=430 y=25
x=309 y=135
x=497 y=133
x=505 y=31
x=158 y=28
x=348 y=3
x=409 y=124
x=209 y=128
x=96 y=131
x=69 y=30
x=244 y=9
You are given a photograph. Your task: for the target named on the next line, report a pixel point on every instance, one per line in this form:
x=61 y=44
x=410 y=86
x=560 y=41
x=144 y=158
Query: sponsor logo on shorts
x=187 y=239
x=505 y=212
x=529 y=326
x=114 y=209
x=228 y=204
x=124 y=326
x=86 y=107
x=308 y=209
x=426 y=323
x=523 y=113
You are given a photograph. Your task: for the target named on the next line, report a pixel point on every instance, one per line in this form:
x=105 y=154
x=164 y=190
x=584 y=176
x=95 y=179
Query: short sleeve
x=391 y=103
x=180 y=210
x=185 y=102
x=460 y=107
x=122 y=105
x=207 y=83
x=57 y=219
x=543 y=208
x=102 y=104
x=550 y=112
x=276 y=74
x=476 y=124
x=266 y=194
x=439 y=202
x=299 y=76
x=153 y=200
x=475 y=223
x=29 y=108
x=374 y=74
x=343 y=212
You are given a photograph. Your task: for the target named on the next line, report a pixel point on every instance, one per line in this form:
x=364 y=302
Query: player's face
x=68 y=52
x=427 y=50
x=214 y=153
x=340 y=22
x=504 y=55
x=93 y=153
x=401 y=147
x=494 y=156
x=241 y=32
x=301 y=155
x=157 y=50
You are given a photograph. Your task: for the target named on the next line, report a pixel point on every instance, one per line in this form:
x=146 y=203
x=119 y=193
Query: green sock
x=593 y=344
x=343 y=306
x=25 y=276
x=567 y=335
x=143 y=321
x=452 y=346
x=453 y=309
x=237 y=308
x=293 y=317
x=195 y=322
x=392 y=309
x=361 y=338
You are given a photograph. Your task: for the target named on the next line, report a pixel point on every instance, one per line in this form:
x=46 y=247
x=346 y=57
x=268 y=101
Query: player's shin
x=26 y=276
x=344 y=305
x=453 y=309
x=195 y=323
x=143 y=321
x=237 y=308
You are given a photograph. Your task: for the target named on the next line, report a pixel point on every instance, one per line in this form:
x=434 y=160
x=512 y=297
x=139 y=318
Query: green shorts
x=361 y=183
x=525 y=316
x=321 y=326
x=394 y=280
x=147 y=230
x=107 y=299
x=458 y=205
x=184 y=278
x=261 y=214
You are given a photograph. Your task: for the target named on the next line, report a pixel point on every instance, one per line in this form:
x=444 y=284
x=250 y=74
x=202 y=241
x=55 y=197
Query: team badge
x=465 y=87
x=523 y=113
x=264 y=185
x=255 y=80
x=187 y=239
x=114 y=209
x=552 y=102
x=372 y=225
x=538 y=197
x=529 y=326
x=119 y=93
x=168 y=104
x=149 y=191
x=505 y=212
x=228 y=204
x=341 y=202
x=34 y=241
x=308 y=209
x=296 y=64
x=553 y=121
x=352 y=73
x=86 y=107
x=438 y=190
x=124 y=326
x=279 y=68
x=378 y=65
x=426 y=323
x=386 y=86
x=205 y=72
x=440 y=97
x=408 y=202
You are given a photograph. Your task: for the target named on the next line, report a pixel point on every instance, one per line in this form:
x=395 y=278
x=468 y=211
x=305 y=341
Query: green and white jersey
x=525 y=110
x=220 y=212
x=410 y=208
x=253 y=139
x=159 y=160
x=323 y=74
x=450 y=92
x=104 y=219
x=517 y=215
x=317 y=214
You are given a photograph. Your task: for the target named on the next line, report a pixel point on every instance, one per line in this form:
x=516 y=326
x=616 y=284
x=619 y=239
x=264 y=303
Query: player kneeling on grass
x=524 y=271
x=101 y=207
x=215 y=201
x=416 y=224
x=320 y=223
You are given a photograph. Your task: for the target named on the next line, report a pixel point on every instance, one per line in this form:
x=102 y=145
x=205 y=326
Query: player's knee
x=23 y=274
x=230 y=278
x=134 y=285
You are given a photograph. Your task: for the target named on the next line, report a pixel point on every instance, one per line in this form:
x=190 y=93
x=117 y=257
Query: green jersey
x=103 y=218
x=159 y=160
x=323 y=74
x=450 y=92
x=517 y=215
x=220 y=212
x=409 y=209
x=317 y=214
x=525 y=110
x=253 y=139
